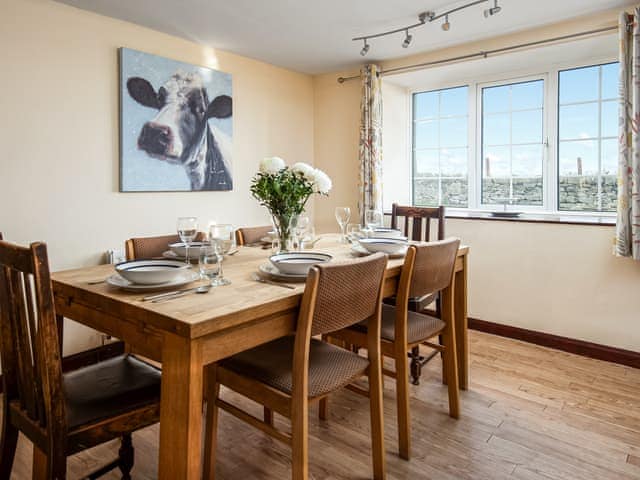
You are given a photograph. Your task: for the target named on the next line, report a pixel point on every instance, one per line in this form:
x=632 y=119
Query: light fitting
x=424 y=18
x=494 y=10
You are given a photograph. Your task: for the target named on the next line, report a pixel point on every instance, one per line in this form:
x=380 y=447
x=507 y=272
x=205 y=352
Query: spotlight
x=407 y=40
x=492 y=11
x=446 y=25
x=365 y=49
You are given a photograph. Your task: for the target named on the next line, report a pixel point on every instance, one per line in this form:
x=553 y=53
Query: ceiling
x=315 y=37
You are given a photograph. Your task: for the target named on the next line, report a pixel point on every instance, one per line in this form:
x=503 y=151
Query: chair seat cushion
x=420 y=327
x=109 y=388
x=416 y=304
x=330 y=367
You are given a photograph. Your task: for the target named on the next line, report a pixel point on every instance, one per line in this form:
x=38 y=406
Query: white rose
x=307 y=171
x=322 y=181
x=272 y=165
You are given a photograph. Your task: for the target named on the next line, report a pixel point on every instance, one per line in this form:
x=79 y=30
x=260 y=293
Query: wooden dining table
x=185 y=334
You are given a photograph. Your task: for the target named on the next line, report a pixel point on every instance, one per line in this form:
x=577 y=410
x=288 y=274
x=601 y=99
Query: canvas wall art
x=176 y=125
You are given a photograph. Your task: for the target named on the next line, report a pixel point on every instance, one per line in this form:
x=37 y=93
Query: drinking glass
x=224 y=234
x=210 y=263
x=187 y=231
x=373 y=219
x=309 y=238
x=354 y=232
x=299 y=225
x=343 y=214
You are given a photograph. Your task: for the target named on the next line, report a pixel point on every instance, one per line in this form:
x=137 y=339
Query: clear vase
x=282 y=227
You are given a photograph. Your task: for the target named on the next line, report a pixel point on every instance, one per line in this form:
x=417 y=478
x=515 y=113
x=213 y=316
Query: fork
x=258 y=278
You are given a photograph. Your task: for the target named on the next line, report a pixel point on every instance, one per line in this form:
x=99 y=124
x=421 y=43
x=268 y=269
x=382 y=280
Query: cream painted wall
x=59 y=135
x=559 y=279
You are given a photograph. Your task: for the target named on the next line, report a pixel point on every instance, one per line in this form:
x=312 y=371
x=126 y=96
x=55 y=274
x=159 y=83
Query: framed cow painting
x=175 y=125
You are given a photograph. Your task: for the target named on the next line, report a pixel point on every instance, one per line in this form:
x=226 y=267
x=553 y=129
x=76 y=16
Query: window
x=587 y=138
x=546 y=142
x=512 y=143
x=440 y=148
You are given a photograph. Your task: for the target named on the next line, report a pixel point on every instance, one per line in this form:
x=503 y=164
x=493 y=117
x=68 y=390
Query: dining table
x=187 y=333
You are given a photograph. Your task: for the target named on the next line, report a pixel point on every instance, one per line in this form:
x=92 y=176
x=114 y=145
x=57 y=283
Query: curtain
x=370 y=151
x=628 y=221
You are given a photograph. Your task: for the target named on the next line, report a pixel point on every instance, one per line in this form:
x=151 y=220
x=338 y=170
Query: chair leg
x=416 y=365
x=300 y=440
x=402 y=393
x=323 y=408
x=8 y=443
x=48 y=467
x=377 y=420
x=211 y=427
x=126 y=456
x=268 y=416
x=450 y=371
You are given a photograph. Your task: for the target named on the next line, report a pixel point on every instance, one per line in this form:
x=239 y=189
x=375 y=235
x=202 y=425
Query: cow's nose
x=155 y=138
x=158 y=129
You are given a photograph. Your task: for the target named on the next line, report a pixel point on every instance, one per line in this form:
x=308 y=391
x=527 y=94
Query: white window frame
x=550 y=133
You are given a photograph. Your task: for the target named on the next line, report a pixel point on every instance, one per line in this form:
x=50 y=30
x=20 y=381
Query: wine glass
x=210 y=263
x=354 y=232
x=222 y=239
x=299 y=225
x=343 y=214
x=372 y=219
x=187 y=231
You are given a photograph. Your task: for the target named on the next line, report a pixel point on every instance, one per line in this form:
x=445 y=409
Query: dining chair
x=61 y=413
x=413 y=228
x=251 y=235
x=428 y=267
x=152 y=247
x=287 y=374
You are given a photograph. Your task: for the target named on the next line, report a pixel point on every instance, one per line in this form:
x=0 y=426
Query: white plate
x=389 y=246
x=151 y=271
x=121 y=282
x=360 y=251
x=386 y=233
x=174 y=256
x=273 y=273
x=180 y=249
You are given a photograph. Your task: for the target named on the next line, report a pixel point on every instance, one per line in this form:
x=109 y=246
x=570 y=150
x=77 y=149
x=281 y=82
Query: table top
x=196 y=315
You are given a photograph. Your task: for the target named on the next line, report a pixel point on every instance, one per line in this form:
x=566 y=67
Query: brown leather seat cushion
x=420 y=327
x=330 y=367
x=109 y=388
x=416 y=304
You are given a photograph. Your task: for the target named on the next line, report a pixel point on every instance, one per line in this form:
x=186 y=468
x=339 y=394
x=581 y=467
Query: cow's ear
x=143 y=92
x=220 y=107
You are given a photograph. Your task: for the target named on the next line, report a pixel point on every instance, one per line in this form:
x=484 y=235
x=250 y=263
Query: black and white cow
x=180 y=132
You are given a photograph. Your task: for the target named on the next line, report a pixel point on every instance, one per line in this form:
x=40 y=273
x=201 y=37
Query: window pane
x=495 y=129
x=453 y=162
x=426 y=135
x=579 y=121
x=610 y=157
x=610 y=119
x=579 y=85
x=453 y=132
x=578 y=158
x=527 y=95
x=609 y=175
x=455 y=192
x=425 y=105
x=610 y=75
x=526 y=127
x=496 y=162
x=495 y=99
x=426 y=192
x=427 y=164
x=578 y=176
x=454 y=101
x=526 y=170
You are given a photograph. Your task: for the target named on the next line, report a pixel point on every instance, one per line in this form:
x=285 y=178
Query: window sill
x=563 y=219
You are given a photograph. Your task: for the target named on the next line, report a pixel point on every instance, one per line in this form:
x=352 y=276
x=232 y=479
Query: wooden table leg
x=181 y=410
x=461 y=324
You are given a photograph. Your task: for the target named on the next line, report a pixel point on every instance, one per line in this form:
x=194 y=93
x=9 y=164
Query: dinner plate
x=174 y=256
x=273 y=273
x=360 y=251
x=116 y=280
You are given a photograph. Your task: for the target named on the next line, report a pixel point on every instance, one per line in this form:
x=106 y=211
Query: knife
x=168 y=294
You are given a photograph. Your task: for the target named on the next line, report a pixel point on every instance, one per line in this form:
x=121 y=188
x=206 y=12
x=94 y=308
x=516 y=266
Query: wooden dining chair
x=287 y=374
x=61 y=413
x=427 y=268
x=414 y=219
x=152 y=247
x=251 y=235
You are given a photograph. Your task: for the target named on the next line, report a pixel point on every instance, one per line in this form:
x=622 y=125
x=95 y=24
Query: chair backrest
x=29 y=346
x=347 y=293
x=433 y=266
x=249 y=235
x=150 y=247
x=414 y=216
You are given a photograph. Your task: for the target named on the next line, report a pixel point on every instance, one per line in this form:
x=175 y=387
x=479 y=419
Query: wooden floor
x=531 y=413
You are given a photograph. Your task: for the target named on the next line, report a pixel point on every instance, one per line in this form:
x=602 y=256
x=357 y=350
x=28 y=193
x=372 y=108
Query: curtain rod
x=485 y=53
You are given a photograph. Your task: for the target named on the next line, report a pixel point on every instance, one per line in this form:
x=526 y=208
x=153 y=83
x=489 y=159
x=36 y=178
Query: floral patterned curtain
x=628 y=222
x=370 y=141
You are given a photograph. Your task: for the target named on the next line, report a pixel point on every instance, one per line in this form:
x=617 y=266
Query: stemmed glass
x=222 y=239
x=354 y=232
x=299 y=225
x=372 y=219
x=187 y=231
x=343 y=214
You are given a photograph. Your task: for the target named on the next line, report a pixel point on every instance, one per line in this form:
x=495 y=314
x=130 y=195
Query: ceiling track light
x=446 y=25
x=407 y=39
x=492 y=11
x=425 y=18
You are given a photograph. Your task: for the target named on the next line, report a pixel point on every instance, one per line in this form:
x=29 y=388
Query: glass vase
x=282 y=227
